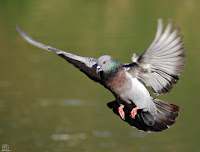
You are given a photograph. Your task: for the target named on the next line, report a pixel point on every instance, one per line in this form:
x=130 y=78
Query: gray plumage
x=158 y=67
x=161 y=64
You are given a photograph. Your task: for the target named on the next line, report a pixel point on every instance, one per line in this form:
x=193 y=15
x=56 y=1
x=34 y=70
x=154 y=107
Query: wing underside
x=84 y=64
x=161 y=64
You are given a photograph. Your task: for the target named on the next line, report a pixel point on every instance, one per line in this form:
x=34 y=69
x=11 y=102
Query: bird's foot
x=134 y=112
x=121 y=111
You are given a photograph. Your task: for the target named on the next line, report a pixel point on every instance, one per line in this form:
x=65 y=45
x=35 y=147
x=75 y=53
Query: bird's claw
x=134 y=112
x=121 y=111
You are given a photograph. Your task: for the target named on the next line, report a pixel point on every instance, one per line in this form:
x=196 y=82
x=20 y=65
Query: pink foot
x=134 y=112
x=121 y=111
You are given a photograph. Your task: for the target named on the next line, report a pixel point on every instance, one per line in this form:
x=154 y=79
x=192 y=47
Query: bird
x=158 y=67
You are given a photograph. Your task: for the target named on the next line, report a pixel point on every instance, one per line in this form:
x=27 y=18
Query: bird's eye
x=104 y=62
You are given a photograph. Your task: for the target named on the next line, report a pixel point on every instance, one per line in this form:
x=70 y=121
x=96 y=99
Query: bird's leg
x=121 y=111
x=134 y=112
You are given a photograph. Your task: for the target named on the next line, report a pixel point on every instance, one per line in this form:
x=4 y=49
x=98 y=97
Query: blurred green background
x=47 y=105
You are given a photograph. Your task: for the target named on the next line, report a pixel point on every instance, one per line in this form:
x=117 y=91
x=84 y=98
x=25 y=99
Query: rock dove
x=158 y=67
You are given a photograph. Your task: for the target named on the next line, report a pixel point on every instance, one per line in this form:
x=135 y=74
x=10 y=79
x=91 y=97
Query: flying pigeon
x=158 y=67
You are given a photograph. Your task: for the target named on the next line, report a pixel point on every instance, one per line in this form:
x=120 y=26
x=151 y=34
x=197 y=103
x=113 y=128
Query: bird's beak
x=98 y=69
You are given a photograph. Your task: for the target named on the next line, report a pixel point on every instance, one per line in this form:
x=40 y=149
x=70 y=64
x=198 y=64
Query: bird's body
x=158 y=67
x=129 y=90
x=137 y=94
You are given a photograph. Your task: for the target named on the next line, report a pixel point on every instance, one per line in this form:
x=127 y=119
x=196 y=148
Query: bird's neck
x=112 y=72
x=117 y=80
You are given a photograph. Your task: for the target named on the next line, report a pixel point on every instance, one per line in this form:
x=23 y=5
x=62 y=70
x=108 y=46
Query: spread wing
x=84 y=64
x=161 y=64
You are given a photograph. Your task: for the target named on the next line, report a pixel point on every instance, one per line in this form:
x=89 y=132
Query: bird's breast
x=119 y=82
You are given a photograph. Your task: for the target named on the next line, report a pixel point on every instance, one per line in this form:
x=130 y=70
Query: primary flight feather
x=158 y=67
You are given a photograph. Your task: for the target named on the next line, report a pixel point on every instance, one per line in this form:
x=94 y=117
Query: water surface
x=48 y=105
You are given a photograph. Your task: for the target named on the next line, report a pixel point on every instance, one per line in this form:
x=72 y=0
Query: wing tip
x=22 y=33
x=160 y=22
x=169 y=21
x=17 y=28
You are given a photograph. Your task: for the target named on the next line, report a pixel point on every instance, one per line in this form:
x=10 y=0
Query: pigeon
x=158 y=67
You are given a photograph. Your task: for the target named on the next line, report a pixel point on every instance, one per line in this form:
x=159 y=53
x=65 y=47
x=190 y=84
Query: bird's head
x=107 y=64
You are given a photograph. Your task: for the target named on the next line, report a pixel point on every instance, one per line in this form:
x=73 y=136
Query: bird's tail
x=166 y=116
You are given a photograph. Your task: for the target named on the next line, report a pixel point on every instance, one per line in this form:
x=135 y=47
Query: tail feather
x=165 y=120
x=166 y=116
x=166 y=112
x=165 y=105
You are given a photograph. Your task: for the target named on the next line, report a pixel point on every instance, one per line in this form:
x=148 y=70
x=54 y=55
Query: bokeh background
x=47 y=105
